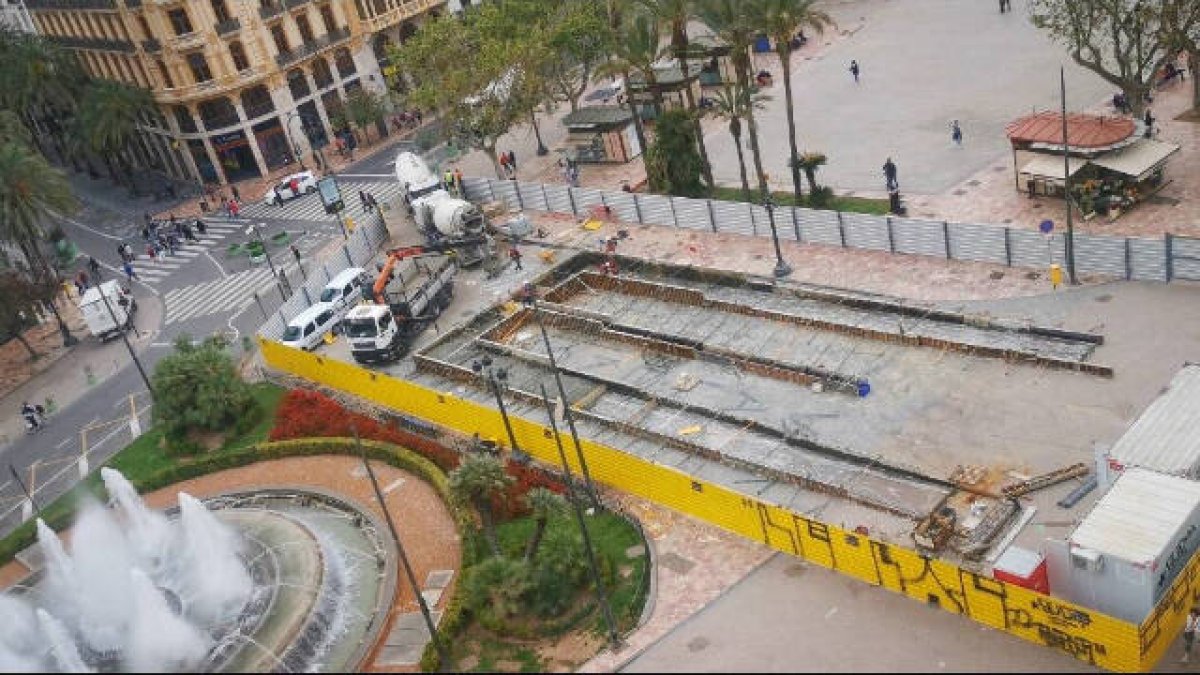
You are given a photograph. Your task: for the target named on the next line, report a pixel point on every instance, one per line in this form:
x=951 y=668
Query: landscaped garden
x=525 y=599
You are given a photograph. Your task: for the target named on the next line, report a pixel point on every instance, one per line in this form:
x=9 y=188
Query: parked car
x=290 y=187
x=345 y=290
x=308 y=329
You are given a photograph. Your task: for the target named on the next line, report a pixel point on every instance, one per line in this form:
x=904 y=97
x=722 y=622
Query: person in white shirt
x=1189 y=632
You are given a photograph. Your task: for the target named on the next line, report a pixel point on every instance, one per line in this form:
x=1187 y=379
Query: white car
x=290 y=187
x=308 y=329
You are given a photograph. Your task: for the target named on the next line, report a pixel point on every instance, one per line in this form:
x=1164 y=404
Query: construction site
x=799 y=395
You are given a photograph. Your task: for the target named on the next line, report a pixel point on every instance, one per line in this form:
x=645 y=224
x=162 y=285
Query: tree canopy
x=197 y=388
x=673 y=165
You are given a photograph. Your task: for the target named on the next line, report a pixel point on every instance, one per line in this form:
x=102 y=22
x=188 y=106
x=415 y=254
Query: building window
x=240 y=62
x=380 y=7
x=256 y=101
x=345 y=62
x=143 y=78
x=220 y=10
x=165 y=74
x=146 y=34
x=327 y=17
x=362 y=10
x=199 y=66
x=217 y=113
x=187 y=123
x=321 y=73
x=280 y=38
x=298 y=83
x=306 y=33
x=179 y=21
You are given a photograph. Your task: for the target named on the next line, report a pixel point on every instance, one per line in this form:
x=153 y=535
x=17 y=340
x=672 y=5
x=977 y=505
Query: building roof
x=1166 y=436
x=1138 y=159
x=1084 y=132
x=1051 y=166
x=597 y=116
x=1138 y=517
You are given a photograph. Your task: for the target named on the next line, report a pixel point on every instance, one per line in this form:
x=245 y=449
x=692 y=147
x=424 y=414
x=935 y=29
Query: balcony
x=93 y=44
x=285 y=59
x=405 y=10
x=208 y=88
x=292 y=4
x=270 y=11
x=228 y=26
x=188 y=40
x=70 y=4
x=151 y=45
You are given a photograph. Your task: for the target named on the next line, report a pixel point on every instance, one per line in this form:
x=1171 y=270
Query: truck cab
x=373 y=334
x=107 y=320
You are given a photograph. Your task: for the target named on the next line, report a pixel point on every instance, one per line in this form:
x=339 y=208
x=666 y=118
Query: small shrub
x=820 y=197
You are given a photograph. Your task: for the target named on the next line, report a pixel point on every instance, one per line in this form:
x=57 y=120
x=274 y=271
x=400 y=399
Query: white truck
x=440 y=215
x=412 y=289
x=102 y=322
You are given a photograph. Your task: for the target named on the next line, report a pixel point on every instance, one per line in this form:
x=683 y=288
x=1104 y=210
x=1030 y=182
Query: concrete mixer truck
x=438 y=214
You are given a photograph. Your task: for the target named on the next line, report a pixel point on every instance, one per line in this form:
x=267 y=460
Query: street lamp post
x=782 y=269
x=495 y=379
x=252 y=229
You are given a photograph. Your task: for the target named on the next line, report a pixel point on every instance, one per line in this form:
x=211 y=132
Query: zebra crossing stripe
x=211 y=297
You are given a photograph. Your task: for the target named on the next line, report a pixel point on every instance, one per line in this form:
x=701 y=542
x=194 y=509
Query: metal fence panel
x=691 y=213
x=622 y=205
x=477 y=189
x=1148 y=257
x=272 y=328
x=558 y=198
x=866 y=231
x=1033 y=249
x=1099 y=254
x=818 y=227
x=733 y=217
x=918 y=237
x=1185 y=258
x=506 y=191
x=982 y=243
x=655 y=210
x=586 y=198
x=532 y=196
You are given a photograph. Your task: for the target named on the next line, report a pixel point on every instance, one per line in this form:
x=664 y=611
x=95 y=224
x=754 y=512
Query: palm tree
x=476 y=481
x=544 y=504
x=732 y=103
x=108 y=118
x=675 y=14
x=810 y=162
x=38 y=81
x=782 y=19
x=634 y=50
x=30 y=191
x=733 y=21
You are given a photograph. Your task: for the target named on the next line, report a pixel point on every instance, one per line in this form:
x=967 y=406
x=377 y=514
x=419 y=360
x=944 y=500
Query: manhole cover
x=698 y=644
x=996 y=275
x=676 y=563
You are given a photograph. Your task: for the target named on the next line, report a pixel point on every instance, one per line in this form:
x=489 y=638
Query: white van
x=345 y=289
x=310 y=326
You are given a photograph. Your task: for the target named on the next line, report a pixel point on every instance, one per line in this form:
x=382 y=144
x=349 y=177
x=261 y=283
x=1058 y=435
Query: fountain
x=269 y=580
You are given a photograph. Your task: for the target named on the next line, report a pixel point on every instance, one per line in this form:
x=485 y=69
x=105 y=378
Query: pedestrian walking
x=201 y=227
x=121 y=251
x=1148 y=119
x=174 y=223
x=1189 y=633
x=236 y=195
x=84 y=279
x=889 y=175
x=515 y=255
x=458 y=178
x=362 y=198
x=234 y=208
x=151 y=252
x=956 y=132
x=504 y=163
x=296 y=254
x=854 y=70
x=187 y=232
x=372 y=203
x=94 y=266
x=512 y=161
x=128 y=267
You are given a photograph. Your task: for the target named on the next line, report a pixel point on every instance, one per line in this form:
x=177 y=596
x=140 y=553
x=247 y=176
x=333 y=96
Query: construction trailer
x=1124 y=555
x=1164 y=438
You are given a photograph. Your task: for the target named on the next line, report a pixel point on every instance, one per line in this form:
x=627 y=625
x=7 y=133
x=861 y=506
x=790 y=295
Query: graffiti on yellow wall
x=1085 y=634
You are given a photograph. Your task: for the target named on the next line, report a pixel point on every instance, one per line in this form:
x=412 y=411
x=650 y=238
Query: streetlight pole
x=1070 y=252
x=124 y=337
x=408 y=571
x=782 y=269
x=562 y=392
x=494 y=378
x=601 y=590
x=253 y=229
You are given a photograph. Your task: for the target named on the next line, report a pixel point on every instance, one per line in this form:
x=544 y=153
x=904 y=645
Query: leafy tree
x=108 y=118
x=477 y=481
x=809 y=162
x=20 y=298
x=672 y=164
x=1181 y=22
x=472 y=77
x=734 y=22
x=13 y=129
x=197 y=388
x=543 y=504
x=31 y=191
x=494 y=590
x=675 y=15
x=731 y=103
x=365 y=108
x=1122 y=41
x=634 y=49
x=39 y=82
x=782 y=19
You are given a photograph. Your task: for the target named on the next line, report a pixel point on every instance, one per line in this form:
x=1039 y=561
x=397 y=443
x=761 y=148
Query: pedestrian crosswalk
x=228 y=294
x=154 y=270
x=311 y=208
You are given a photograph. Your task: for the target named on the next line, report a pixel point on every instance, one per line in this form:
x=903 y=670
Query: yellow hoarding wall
x=1081 y=632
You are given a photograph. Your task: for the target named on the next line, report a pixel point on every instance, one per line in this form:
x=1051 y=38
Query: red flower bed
x=307 y=414
x=511 y=504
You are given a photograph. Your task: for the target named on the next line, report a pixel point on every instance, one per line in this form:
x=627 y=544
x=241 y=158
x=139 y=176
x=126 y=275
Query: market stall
x=602 y=133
